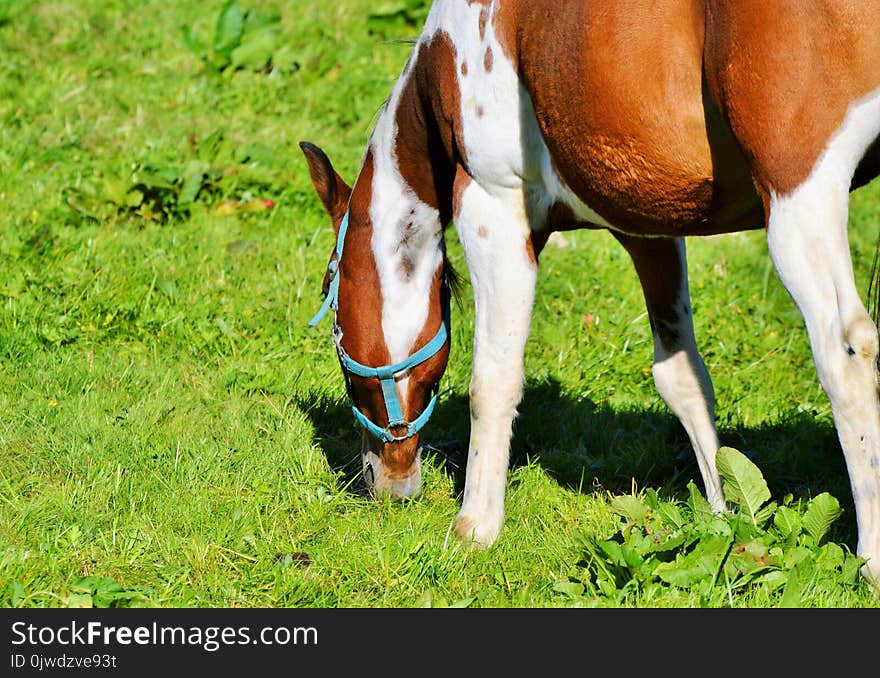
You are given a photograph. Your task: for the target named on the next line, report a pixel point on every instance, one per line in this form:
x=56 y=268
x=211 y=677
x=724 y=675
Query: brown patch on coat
x=407 y=267
x=482 y=232
x=488 y=59
x=506 y=26
x=397 y=457
x=535 y=242
x=484 y=18
x=633 y=148
x=643 y=162
x=688 y=155
x=428 y=118
x=464 y=69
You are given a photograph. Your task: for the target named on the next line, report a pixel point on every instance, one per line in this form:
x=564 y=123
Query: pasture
x=173 y=434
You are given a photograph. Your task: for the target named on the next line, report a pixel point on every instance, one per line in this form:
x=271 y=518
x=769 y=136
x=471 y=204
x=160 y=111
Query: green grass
x=172 y=432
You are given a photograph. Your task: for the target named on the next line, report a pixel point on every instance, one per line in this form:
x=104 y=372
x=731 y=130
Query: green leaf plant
x=243 y=39
x=782 y=550
x=216 y=173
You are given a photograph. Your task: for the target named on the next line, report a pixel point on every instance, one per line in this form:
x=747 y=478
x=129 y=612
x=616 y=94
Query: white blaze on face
x=405 y=241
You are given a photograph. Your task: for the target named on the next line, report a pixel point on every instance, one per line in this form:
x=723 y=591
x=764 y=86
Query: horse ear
x=331 y=189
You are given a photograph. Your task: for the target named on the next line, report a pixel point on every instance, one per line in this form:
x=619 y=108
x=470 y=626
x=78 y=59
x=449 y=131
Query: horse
x=654 y=120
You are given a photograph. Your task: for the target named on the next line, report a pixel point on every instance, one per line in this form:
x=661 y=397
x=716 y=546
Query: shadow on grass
x=339 y=437
x=587 y=447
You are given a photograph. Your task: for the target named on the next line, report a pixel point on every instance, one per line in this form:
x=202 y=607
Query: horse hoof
x=872 y=576
x=471 y=531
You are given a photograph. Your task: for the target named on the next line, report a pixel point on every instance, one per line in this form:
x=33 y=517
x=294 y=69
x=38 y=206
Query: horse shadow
x=588 y=447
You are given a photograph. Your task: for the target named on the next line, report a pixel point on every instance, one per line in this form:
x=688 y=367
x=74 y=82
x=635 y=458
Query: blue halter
x=386 y=373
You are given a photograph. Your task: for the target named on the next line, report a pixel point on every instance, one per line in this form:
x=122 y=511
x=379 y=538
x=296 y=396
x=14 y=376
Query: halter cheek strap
x=332 y=298
x=386 y=373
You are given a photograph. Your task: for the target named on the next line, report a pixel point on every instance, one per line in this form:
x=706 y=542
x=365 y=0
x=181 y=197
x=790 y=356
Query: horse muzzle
x=382 y=480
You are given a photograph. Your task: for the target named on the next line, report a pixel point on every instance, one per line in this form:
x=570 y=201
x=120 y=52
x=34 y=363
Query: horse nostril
x=369 y=474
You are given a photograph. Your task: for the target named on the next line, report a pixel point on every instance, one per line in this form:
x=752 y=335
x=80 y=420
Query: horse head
x=387 y=285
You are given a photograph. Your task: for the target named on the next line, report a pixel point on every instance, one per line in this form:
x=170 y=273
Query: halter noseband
x=386 y=373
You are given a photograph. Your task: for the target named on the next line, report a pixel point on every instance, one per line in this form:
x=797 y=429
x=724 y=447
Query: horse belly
x=639 y=191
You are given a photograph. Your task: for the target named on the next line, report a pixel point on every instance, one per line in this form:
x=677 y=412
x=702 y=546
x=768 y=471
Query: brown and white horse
x=653 y=119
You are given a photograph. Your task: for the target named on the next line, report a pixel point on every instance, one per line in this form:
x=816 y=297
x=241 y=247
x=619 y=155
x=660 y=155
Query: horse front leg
x=680 y=374
x=807 y=238
x=494 y=233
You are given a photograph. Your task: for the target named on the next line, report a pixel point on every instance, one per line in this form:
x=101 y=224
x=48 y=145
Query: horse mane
x=454 y=281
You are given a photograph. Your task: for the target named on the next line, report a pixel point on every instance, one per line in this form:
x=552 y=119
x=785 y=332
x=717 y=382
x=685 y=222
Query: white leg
x=679 y=372
x=493 y=231
x=808 y=244
x=806 y=234
x=683 y=381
